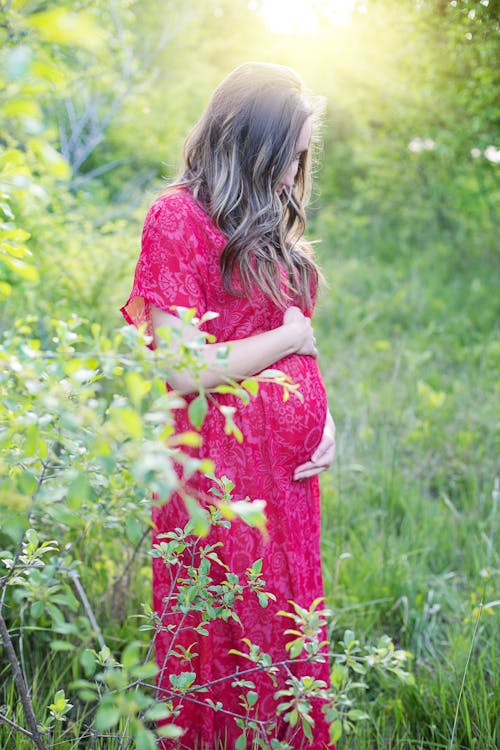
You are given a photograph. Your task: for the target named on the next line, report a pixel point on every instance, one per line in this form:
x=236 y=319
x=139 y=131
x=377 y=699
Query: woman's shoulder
x=177 y=205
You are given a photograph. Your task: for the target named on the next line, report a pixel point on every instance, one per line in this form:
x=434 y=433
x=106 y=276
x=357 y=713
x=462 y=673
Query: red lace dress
x=179 y=265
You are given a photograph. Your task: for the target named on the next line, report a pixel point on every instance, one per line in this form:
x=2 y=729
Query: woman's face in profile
x=287 y=180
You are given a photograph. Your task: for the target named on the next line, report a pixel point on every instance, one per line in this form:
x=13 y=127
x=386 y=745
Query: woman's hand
x=322 y=457
x=304 y=340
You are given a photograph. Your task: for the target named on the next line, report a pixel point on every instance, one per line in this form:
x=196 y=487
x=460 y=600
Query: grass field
x=411 y=513
x=410 y=508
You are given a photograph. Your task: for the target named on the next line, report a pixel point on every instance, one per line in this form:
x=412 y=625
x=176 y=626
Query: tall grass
x=410 y=509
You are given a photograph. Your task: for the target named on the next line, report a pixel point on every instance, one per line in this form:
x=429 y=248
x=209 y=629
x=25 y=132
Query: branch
x=81 y=134
x=81 y=178
x=15 y=726
x=131 y=559
x=21 y=685
x=171 y=693
x=86 y=605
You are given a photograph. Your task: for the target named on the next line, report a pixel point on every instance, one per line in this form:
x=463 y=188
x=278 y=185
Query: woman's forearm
x=245 y=357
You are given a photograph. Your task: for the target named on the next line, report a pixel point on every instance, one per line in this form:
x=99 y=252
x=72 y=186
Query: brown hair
x=234 y=159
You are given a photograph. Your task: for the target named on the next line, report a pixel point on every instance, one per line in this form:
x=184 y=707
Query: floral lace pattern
x=179 y=266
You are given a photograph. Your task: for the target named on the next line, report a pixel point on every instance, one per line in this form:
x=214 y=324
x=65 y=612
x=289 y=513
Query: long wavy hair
x=233 y=161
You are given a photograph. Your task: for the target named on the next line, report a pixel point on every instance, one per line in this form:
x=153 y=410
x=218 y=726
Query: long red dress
x=179 y=265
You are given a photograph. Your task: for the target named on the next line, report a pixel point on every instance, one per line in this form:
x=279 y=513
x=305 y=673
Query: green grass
x=411 y=508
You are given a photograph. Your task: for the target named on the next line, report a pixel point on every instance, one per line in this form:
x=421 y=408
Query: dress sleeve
x=169 y=270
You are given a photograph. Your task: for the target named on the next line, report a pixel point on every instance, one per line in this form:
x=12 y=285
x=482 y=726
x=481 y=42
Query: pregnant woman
x=226 y=237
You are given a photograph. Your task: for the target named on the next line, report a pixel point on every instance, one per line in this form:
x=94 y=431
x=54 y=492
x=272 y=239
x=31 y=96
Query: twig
x=21 y=685
x=234 y=675
x=131 y=559
x=15 y=726
x=82 y=178
x=86 y=605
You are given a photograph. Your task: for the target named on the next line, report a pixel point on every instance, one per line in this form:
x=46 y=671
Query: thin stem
x=262 y=723
x=16 y=727
x=469 y=656
x=86 y=605
x=131 y=559
x=235 y=675
x=21 y=685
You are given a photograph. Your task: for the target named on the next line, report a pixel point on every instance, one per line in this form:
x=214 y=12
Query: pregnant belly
x=296 y=426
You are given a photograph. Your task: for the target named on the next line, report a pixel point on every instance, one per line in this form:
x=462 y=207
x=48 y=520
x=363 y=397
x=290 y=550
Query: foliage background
x=96 y=100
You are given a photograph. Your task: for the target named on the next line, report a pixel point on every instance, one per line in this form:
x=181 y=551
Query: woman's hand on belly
x=322 y=457
x=305 y=342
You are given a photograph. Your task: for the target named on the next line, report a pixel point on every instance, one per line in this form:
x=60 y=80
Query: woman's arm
x=246 y=356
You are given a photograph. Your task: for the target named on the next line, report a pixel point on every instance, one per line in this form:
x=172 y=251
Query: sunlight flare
x=303 y=16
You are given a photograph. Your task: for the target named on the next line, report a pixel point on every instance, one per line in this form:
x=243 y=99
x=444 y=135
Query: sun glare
x=302 y=16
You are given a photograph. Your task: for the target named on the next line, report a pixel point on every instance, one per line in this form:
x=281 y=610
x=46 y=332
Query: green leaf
x=349 y=638
x=197 y=410
x=307 y=729
x=58 y=645
x=4 y=206
x=21 y=107
x=296 y=648
x=335 y=730
x=25 y=270
x=251 y=385
x=172 y=731
x=144 y=739
x=36 y=610
x=5 y=289
x=26 y=482
x=241 y=742
x=356 y=666
x=252 y=698
x=107 y=716
x=252 y=513
x=182 y=681
x=230 y=428
x=339 y=675
x=199 y=516
x=128 y=422
x=257 y=566
x=157 y=712
x=130 y=655
x=190 y=438
x=144 y=671
x=62 y=514
x=34 y=445
x=89 y=696
x=134 y=529
x=88 y=662
x=263 y=600
x=137 y=387
x=356 y=715
x=60 y=706
x=79 y=491
x=62 y=26
x=53 y=162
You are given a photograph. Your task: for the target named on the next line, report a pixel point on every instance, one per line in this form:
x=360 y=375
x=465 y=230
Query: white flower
x=416 y=145
x=475 y=153
x=492 y=154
